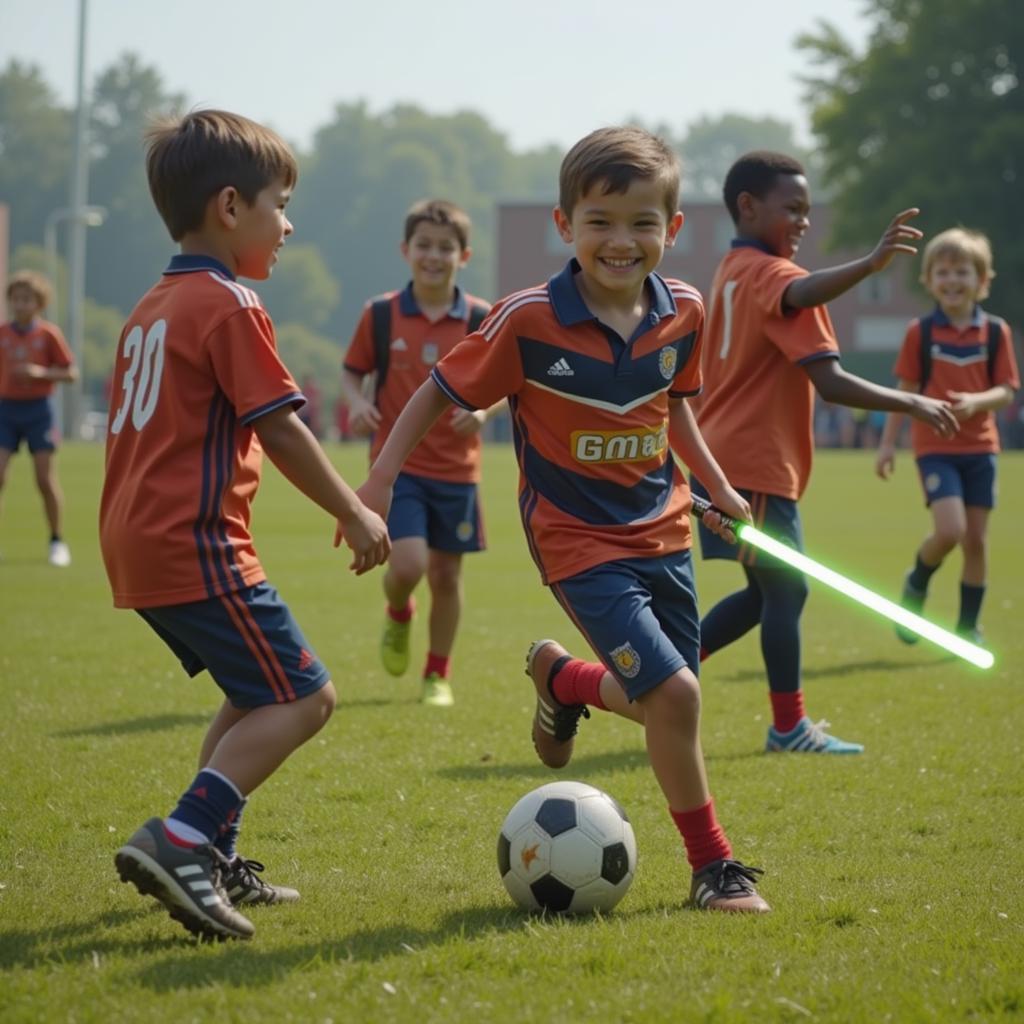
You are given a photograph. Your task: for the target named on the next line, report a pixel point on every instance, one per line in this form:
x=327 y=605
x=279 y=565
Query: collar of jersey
x=408 y=306
x=570 y=308
x=189 y=263
x=751 y=243
x=18 y=329
x=941 y=320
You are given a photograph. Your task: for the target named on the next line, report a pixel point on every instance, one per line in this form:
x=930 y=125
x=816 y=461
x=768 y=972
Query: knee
x=444 y=579
x=321 y=706
x=677 y=699
x=973 y=545
x=948 y=537
x=405 y=574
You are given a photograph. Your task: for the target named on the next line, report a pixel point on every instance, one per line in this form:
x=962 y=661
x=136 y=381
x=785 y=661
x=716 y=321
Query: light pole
x=92 y=217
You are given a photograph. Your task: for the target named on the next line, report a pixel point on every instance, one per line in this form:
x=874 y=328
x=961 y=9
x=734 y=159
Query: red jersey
x=757 y=409
x=40 y=343
x=959 y=363
x=416 y=346
x=597 y=480
x=196 y=364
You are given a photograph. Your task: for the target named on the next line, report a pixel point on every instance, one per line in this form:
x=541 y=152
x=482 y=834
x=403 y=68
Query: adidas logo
x=399 y=345
x=561 y=368
x=305 y=660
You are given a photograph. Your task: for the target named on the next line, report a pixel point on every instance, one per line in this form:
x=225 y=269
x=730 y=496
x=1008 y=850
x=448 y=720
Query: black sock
x=921 y=574
x=970 y=605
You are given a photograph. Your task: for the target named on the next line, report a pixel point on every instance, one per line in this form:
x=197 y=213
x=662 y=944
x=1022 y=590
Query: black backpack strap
x=380 y=311
x=477 y=314
x=995 y=336
x=924 y=325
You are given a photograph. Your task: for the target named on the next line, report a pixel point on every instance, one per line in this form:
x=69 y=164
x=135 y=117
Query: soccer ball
x=568 y=848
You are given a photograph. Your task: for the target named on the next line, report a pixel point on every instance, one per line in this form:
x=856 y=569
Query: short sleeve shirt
x=590 y=411
x=959 y=363
x=416 y=346
x=196 y=364
x=41 y=343
x=757 y=409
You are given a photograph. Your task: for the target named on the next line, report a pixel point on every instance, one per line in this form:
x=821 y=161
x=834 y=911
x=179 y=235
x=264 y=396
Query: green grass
x=895 y=877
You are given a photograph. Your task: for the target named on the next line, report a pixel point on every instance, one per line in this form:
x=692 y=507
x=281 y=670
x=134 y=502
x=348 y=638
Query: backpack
x=380 y=311
x=995 y=332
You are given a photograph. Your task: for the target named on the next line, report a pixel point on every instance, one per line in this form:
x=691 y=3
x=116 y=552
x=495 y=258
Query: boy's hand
x=732 y=504
x=885 y=461
x=936 y=413
x=466 y=422
x=366 y=534
x=963 y=404
x=30 y=371
x=363 y=416
x=897 y=237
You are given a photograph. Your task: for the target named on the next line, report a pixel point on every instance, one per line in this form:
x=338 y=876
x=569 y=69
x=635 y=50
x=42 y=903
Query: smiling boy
x=597 y=365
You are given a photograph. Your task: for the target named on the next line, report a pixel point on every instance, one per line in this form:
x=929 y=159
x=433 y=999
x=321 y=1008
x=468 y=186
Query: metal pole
x=76 y=234
x=50 y=247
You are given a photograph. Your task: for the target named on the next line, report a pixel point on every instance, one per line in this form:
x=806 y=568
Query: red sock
x=435 y=663
x=579 y=682
x=402 y=614
x=787 y=709
x=703 y=837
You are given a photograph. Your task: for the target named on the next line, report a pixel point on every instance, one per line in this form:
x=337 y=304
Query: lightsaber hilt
x=702 y=505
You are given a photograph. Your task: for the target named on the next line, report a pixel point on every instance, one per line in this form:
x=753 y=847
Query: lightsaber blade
x=922 y=627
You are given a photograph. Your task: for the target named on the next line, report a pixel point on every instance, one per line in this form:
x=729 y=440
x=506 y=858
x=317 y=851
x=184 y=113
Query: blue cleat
x=808 y=737
x=913 y=600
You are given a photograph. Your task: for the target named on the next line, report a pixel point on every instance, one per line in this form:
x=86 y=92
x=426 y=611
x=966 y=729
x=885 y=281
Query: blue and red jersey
x=590 y=411
x=196 y=364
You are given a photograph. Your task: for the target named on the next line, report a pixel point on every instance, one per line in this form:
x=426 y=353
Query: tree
x=301 y=289
x=932 y=115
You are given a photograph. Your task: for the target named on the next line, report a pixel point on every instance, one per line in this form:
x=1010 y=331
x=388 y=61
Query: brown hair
x=439 y=211
x=961 y=244
x=617 y=157
x=191 y=158
x=35 y=282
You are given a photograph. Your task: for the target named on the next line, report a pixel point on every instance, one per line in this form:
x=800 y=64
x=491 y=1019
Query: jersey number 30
x=141 y=381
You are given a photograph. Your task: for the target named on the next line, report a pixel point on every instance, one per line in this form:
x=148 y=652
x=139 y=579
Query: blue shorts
x=29 y=420
x=247 y=640
x=972 y=478
x=639 y=616
x=446 y=514
x=778 y=517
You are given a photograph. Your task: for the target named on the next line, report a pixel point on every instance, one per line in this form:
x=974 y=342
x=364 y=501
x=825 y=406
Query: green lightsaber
x=936 y=634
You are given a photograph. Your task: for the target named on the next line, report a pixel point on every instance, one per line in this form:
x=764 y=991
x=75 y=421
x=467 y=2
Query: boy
x=33 y=357
x=596 y=365
x=435 y=517
x=200 y=393
x=771 y=345
x=965 y=355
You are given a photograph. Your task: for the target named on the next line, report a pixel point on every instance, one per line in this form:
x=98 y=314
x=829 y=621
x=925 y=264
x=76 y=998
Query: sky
x=541 y=71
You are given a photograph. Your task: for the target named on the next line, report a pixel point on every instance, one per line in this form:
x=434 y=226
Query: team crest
x=429 y=352
x=931 y=482
x=464 y=531
x=667 y=362
x=626 y=660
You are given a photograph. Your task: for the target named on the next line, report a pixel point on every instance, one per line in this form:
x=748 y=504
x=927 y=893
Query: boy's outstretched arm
x=823 y=286
x=885 y=460
x=290 y=445
x=363 y=415
x=424 y=409
x=689 y=444
x=835 y=385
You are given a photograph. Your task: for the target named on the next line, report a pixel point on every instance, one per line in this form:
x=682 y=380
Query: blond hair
x=961 y=244
x=190 y=159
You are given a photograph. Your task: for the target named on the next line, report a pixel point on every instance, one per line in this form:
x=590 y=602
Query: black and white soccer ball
x=568 y=848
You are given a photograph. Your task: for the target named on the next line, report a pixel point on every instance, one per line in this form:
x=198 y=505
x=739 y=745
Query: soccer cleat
x=808 y=737
x=554 y=723
x=913 y=600
x=727 y=885
x=437 y=691
x=242 y=884
x=188 y=881
x=60 y=554
x=972 y=634
x=394 y=646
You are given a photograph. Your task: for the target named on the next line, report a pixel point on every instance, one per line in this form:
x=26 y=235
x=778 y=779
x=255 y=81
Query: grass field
x=896 y=877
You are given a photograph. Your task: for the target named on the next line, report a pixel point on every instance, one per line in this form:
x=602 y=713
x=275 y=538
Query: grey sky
x=539 y=70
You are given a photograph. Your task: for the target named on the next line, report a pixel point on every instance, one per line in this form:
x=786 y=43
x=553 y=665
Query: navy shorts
x=778 y=517
x=29 y=420
x=639 y=616
x=972 y=478
x=247 y=640
x=446 y=514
